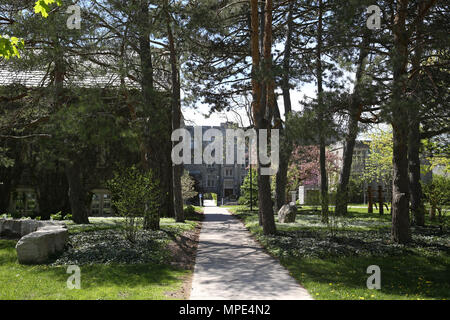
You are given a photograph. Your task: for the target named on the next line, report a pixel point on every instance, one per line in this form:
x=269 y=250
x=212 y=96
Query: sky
x=196 y=116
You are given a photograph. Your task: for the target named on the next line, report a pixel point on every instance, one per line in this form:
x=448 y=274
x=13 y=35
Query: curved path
x=230 y=265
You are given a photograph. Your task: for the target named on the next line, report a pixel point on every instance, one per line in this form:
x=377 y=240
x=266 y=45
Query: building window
x=101 y=203
x=24 y=202
x=228 y=172
x=211 y=181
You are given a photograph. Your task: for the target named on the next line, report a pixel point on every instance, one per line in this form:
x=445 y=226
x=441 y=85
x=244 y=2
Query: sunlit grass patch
x=139 y=274
x=139 y=281
x=333 y=265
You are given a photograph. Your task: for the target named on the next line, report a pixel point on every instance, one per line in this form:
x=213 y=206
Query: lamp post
x=251 y=178
x=251 y=189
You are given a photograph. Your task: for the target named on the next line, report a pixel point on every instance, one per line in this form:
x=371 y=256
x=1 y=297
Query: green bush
x=245 y=189
x=68 y=217
x=189 y=210
x=16 y=215
x=57 y=216
x=437 y=194
x=188 y=186
x=136 y=194
x=207 y=196
x=355 y=190
x=313 y=197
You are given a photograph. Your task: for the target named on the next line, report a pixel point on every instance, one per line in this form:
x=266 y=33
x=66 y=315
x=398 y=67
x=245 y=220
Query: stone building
x=28 y=191
x=223 y=179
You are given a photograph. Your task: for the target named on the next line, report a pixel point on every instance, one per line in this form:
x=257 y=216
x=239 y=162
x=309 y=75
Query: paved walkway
x=230 y=265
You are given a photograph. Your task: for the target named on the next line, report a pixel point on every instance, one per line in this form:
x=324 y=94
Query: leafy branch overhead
x=43 y=6
x=10 y=46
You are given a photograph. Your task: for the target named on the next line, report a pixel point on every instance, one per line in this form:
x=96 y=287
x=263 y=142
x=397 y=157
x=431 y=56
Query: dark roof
x=37 y=78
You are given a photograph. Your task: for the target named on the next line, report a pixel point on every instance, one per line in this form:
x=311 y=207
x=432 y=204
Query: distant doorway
x=228 y=193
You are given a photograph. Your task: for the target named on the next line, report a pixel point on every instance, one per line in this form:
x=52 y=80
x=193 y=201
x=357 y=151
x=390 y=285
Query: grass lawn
x=152 y=280
x=333 y=266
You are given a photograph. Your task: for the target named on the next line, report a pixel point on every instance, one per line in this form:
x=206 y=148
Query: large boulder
x=39 y=246
x=18 y=228
x=39 y=240
x=287 y=213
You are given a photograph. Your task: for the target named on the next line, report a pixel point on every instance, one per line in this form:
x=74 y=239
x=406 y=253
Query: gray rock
x=51 y=223
x=40 y=239
x=287 y=213
x=39 y=246
x=19 y=228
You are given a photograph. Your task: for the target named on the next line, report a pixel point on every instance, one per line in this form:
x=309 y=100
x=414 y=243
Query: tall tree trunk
x=77 y=193
x=10 y=177
x=5 y=193
x=415 y=188
x=52 y=194
x=262 y=115
x=177 y=170
x=400 y=186
x=171 y=209
x=285 y=143
x=352 y=131
x=321 y=120
x=263 y=87
x=145 y=54
x=155 y=123
x=255 y=52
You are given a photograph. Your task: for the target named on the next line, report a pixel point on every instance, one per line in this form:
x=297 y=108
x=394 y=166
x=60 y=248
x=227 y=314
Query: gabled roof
x=37 y=78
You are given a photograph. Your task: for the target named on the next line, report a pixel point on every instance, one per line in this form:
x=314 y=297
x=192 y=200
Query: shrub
x=207 y=196
x=437 y=193
x=16 y=215
x=57 y=216
x=189 y=210
x=187 y=186
x=313 y=197
x=355 y=190
x=68 y=217
x=136 y=194
x=245 y=189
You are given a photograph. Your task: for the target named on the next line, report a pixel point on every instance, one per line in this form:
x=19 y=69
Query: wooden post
x=380 y=199
x=369 y=196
